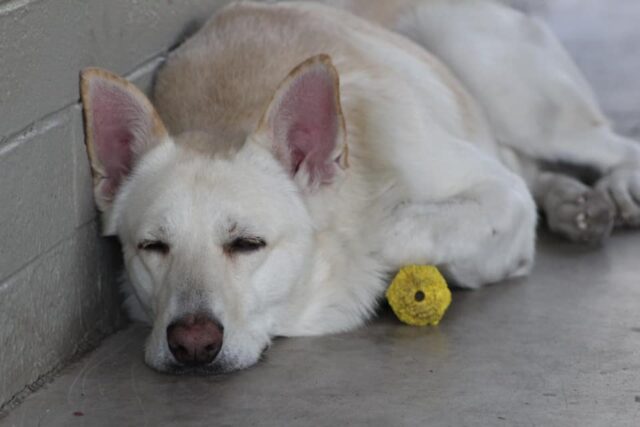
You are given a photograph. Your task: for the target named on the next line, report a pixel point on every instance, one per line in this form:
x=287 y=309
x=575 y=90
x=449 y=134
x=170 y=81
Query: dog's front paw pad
x=623 y=188
x=588 y=218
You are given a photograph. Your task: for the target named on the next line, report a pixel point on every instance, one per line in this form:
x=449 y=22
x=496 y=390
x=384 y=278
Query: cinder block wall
x=58 y=291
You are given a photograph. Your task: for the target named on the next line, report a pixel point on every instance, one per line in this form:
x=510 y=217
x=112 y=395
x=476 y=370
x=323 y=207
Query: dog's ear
x=304 y=123
x=120 y=125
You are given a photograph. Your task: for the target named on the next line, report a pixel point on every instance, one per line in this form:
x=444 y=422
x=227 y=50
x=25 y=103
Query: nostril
x=179 y=352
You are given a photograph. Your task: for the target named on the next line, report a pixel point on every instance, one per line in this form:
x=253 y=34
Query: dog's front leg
x=481 y=236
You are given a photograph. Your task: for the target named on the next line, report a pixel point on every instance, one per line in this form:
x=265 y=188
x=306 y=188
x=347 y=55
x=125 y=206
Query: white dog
x=297 y=154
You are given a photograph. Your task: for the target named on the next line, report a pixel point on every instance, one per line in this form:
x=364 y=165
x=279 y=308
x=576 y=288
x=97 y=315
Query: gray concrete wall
x=58 y=291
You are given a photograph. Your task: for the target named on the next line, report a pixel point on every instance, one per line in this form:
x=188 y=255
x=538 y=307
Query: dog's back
x=223 y=78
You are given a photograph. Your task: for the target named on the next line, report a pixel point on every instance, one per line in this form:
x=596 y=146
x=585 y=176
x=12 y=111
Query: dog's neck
x=346 y=277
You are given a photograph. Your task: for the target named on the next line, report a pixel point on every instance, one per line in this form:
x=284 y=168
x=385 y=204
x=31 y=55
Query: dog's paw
x=622 y=187
x=579 y=213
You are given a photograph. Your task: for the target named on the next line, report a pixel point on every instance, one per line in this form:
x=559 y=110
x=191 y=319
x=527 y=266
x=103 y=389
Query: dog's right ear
x=120 y=124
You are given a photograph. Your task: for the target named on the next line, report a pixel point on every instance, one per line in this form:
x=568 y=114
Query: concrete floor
x=561 y=348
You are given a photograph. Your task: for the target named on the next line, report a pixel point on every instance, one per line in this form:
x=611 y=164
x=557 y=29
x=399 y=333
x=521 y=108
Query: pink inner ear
x=114 y=114
x=307 y=120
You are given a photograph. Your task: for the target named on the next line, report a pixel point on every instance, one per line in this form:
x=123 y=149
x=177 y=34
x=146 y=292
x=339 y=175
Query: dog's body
x=280 y=214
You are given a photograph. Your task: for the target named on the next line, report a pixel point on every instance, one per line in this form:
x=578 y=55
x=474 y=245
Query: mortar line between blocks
x=14 y=5
x=49 y=120
x=5 y=282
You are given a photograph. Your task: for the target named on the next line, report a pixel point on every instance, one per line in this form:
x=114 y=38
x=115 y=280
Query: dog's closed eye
x=154 y=246
x=244 y=245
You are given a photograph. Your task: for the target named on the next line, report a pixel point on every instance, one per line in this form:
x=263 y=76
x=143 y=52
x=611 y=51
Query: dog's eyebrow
x=238 y=231
x=157 y=232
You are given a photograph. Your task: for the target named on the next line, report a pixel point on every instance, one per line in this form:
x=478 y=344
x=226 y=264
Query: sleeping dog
x=296 y=153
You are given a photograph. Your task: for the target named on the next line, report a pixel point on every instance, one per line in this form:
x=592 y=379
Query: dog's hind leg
x=537 y=101
x=614 y=159
x=622 y=185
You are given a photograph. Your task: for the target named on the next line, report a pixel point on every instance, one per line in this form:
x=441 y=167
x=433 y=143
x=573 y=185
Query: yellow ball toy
x=419 y=295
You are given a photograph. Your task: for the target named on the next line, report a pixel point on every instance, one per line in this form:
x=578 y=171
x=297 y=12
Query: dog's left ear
x=304 y=123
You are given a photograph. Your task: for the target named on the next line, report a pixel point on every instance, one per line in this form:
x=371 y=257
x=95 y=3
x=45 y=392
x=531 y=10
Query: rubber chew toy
x=419 y=295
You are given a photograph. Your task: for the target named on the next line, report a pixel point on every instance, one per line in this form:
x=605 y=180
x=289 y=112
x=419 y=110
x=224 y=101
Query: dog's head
x=217 y=245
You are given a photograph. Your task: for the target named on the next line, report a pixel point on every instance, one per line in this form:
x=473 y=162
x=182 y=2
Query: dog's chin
x=217 y=367
x=210 y=369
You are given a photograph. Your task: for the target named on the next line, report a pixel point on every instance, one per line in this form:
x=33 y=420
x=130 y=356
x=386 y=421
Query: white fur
x=539 y=105
x=430 y=181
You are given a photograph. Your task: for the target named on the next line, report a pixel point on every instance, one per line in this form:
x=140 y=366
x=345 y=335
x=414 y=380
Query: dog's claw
x=581 y=221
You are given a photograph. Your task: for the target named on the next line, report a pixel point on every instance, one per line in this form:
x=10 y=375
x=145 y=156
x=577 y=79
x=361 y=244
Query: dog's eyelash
x=156 y=246
x=244 y=244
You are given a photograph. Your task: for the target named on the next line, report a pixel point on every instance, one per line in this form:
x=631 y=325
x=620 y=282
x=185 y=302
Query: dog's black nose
x=195 y=339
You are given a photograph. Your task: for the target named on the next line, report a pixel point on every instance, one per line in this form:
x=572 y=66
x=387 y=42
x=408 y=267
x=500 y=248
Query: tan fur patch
x=223 y=79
